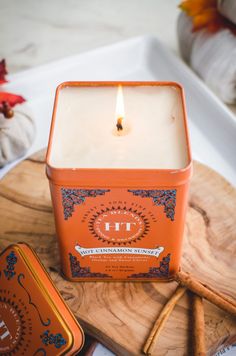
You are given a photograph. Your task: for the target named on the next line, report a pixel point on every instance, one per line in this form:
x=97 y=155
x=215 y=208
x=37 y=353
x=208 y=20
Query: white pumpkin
x=16 y=134
x=212 y=56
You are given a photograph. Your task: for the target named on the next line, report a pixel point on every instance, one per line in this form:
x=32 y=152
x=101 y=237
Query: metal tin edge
x=17 y=247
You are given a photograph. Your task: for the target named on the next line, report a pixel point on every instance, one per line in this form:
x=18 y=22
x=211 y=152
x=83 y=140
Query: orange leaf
x=205 y=15
x=11 y=99
x=195 y=7
x=208 y=19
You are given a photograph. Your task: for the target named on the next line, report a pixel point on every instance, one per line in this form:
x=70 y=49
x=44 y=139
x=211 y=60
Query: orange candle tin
x=34 y=320
x=119 y=224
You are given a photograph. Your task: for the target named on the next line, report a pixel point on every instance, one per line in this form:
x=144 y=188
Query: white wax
x=85 y=124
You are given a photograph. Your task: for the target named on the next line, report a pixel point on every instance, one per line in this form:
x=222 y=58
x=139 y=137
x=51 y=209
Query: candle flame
x=120 y=111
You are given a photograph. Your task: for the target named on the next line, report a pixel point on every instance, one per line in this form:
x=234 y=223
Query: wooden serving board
x=121 y=314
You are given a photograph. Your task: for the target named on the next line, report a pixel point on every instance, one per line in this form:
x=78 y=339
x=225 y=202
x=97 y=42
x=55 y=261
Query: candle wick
x=119 y=125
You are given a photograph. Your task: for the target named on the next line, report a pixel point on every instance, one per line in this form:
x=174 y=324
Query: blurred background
x=36 y=32
x=33 y=33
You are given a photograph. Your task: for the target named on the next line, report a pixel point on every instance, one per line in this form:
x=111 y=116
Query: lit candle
x=147 y=132
x=119 y=163
x=122 y=127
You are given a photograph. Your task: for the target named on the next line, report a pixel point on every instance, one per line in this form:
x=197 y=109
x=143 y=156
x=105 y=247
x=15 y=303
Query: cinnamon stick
x=213 y=296
x=199 y=327
x=225 y=297
x=161 y=320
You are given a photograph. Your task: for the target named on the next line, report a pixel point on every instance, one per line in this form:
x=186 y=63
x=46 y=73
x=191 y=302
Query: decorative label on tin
x=117 y=233
x=119 y=250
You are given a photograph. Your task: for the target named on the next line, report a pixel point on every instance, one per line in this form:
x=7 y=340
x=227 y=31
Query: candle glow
x=120 y=110
x=122 y=127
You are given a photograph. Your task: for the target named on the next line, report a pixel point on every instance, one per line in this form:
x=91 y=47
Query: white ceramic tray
x=212 y=125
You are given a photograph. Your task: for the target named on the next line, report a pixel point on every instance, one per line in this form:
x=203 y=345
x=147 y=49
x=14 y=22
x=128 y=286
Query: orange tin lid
x=34 y=319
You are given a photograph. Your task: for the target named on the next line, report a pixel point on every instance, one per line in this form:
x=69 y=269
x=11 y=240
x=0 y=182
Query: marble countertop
x=35 y=32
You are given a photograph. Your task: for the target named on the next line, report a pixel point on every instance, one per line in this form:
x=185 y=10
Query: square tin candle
x=119 y=164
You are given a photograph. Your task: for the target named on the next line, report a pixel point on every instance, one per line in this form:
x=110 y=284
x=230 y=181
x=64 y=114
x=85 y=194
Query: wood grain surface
x=121 y=314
